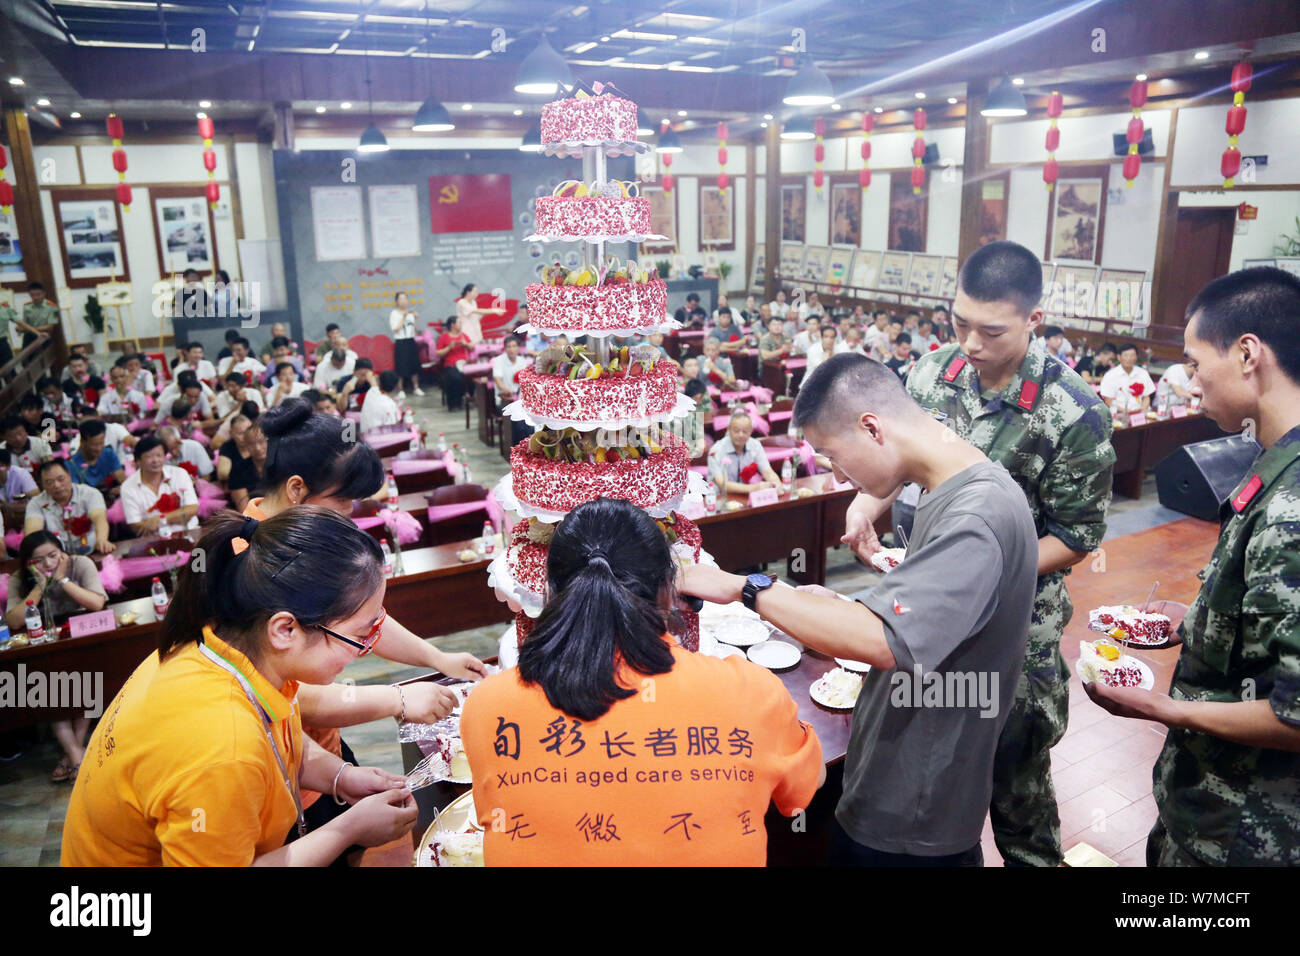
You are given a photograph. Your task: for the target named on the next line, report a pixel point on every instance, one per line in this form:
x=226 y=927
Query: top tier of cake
x=590 y=120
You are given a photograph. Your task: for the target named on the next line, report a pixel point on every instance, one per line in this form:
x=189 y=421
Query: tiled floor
x=1102 y=767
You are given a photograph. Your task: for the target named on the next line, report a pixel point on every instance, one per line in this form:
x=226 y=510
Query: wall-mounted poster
x=1076 y=222
x=758 y=275
x=471 y=203
x=907 y=216
x=1120 y=294
x=182 y=223
x=948 y=284
x=89 y=225
x=792 y=212
x=993 y=209
x=841 y=266
x=663 y=217
x=336 y=223
x=717 y=218
x=816 y=264
x=791 y=261
x=846 y=214
x=11 y=253
x=394 y=221
x=866 y=270
x=893 y=270
x=114 y=293
x=924 y=278
x=1074 y=291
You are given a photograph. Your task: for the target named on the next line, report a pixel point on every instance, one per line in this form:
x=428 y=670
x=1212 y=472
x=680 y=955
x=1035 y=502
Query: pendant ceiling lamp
x=373 y=139
x=532 y=141
x=797 y=128
x=1005 y=100
x=809 y=87
x=432 y=116
x=543 y=71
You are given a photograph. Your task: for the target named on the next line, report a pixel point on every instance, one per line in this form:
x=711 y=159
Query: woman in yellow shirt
x=200 y=758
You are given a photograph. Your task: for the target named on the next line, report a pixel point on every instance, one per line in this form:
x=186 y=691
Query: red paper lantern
x=1137 y=94
x=1051 y=170
x=723 y=132
x=668 y=159
x=206 y=128
x=819 y=127
x=124 y=195
x=866 y=149
x=1230 y=163
x=668 y=182
x=114 y=126
x=868 y=122
x=918 y=148
x=918 y=120
x=209 y=160
x=723 y=181
x=864 y=178
x=1055 y=103
x=1137 y=97
x=4 y=158
x=722 y=155
x=1242 y=74
x=6 y=193
x=1236 y=120
x=1132 y=164
x=213 y=192
x=1135 y=130
x=819 y=153
x=1053 y=138
x=819 y=178
x=918 y=178
x=119 y=160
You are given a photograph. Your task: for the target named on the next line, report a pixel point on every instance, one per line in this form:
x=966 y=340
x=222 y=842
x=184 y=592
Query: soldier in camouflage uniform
x=1049 y=429
x=1227 y=783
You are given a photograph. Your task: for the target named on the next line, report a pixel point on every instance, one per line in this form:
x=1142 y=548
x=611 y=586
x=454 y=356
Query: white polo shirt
x=138 y=498
x=379 y=410
x=132 y=404
x=1117 y=385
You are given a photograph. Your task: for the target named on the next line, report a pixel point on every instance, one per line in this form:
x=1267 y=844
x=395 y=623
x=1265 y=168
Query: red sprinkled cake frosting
x=631 y=305
x=592 y=119
x=593 y=216
x=600 y=399
x=562 y=486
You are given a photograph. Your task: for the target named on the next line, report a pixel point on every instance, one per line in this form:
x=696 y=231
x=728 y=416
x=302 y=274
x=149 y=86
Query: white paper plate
x=739 y=632
x=1148 y=677
x=725 y=650
x=774 y=655
x=818 y=693
x=856 y=666
x=455 y=817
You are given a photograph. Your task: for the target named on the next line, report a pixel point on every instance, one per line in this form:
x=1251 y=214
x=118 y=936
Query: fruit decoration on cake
x=1127 y=623
x=567 y=383
x=621 y=299
x=610 y=211
x=1104 y=662
x=599 y=115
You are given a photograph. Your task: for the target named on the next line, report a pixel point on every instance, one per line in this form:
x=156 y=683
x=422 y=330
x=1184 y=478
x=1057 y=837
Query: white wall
x=1082 y=137
x=1278 y=210
x=1272 y=129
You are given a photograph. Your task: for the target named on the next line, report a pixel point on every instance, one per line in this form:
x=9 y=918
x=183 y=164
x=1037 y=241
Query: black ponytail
x=309 y=561
x=609 y=569
x=301 y=441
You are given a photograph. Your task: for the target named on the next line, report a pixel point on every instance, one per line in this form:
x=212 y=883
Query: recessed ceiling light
x=762 y=125
x=681 y=112
x=345 y=106
x=518 y=112
x=201 y=115
x=205 y=103
x=665 y=122
x=920 y=94
x=1199 y=55
x=1141 y=77
x=1018 y=80
x=604 y=39
x=836 y=106
x=74 y=115
x=42 y=102
x=880 y=109
x=15 y=81
x=952 y=101
x=767 y=116
x=467 y=106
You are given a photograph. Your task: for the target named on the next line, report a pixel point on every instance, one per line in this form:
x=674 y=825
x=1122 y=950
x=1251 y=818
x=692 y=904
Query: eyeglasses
x=367 y=643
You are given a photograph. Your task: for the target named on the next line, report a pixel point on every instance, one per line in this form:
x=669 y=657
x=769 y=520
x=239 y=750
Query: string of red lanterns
x=1230 y=164
x=1137 y=98
x=1055 y=103
x=864 y=174
x=819 y=153
x=6 y=187
x=918 y=151
x=723 y=179
x=213 y=188
x=114 y=127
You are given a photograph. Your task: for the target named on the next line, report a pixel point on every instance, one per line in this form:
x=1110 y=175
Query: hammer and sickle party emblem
x=449 y=194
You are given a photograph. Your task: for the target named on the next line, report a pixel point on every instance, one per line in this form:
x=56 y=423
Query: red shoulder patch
x=1240 y=503
x=954 y=369
x=1028 y=392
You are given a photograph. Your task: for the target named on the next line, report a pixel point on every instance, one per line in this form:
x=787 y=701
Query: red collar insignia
x=1028 y=392
x=954 y=369
x=1243 y=500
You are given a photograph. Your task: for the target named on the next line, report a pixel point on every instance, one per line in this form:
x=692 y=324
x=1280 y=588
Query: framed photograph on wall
x=893 y=270
x=1078 y=214
x=1120 y=294
x=791 y=261
x=717 y=211
x=663 y=217
x=1074 y=291
x=924 y=278
x=758 y=275
x=908 y=215
x=89 y=226
x=846 y=213
x=793 y=211
x=866 y=269
x=993 y=207
x=816 y=264
x=12 y=274
x=841 y=266
x=948 y=284
x=183 y=229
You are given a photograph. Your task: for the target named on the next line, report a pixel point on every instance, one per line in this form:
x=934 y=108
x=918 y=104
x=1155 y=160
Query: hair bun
x=290 y=414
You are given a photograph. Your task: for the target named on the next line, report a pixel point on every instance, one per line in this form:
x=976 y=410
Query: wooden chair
x=423 y=480
x=781 y=425
x=459 y=527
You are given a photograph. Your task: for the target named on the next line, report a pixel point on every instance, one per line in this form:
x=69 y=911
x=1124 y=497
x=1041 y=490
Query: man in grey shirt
x=944 y=632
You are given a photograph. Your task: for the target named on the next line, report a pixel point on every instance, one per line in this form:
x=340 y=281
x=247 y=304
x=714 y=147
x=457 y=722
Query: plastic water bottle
x=489 y=539
x=442 y=442
x=787 y=475
x=388 y=558
x=467 y=476
x=158 y=594
x=711 y=498
x=392 y=491
x=35 y=626
x=407 y=417
x=164 y=529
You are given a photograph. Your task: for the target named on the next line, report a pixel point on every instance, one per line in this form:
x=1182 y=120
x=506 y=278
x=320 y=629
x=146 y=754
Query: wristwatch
x=753 y=585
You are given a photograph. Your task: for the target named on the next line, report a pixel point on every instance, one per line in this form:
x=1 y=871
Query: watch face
x=759 y=580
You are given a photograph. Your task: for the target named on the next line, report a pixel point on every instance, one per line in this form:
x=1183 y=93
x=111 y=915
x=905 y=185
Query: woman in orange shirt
x=611 y=745
x=200 y=758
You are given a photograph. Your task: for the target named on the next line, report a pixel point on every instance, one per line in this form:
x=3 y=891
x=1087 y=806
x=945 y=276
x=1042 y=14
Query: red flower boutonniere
x=248 y=376
x=80 y=525
x=166 y=503
x=1137 y=389
x=749 y=473
x=191 y=468
x=715 y=378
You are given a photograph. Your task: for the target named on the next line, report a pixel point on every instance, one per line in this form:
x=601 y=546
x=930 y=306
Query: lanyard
x=289 y=783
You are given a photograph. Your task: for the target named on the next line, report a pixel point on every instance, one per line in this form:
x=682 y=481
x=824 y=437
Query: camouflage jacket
x=1048 y=428
x=1226 y=803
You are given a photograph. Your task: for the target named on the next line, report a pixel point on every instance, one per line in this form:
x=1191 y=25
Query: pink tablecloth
x=382 y=441
x=793 y=364
x=477 y=368
x=490 y=505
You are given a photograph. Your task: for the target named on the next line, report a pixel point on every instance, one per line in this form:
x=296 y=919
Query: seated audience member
x=912 y=323
x=75 y=513
x=903 y=357
x=186 y=452
x=230 y=336
x=811 y=333
x=612 y=589
x=48 y=576
x=737 y=462
x=726 y=333
x=193 y=361
x=95 y=464
x=1094 y=367
x=810 y=306
x=827 y=345
x=695 y=428
x=354 y=389
x=381 y=407
x=322 y=402
x=750 y=311
x=656 y=340
x=16 y=482
x=81 y=367
x=715 y=368
x=925 y=340
x=688 y=314
x=942 y=322
x=853 y=341
x=141 y=373
x=158 y=493
x=235 y=392
x=774 y=344
x=690 y=369
x=240 y=362
x=233 y=455
x=280 y=353
x=326 y=345
x=1054 y=342
x=779 y=306
x=286 y=385
x=195 y=301
x=185 y=734
x=249 y=481
x=54 y=402
x=122 y=399
x=1175 y=386
x=116 y=437
x=505 y=371
x=222 y=434
x=337 y=364
x=25 y=450
x=453 y=351
x=1127 y=388
x=280 y=330
x=31 y=409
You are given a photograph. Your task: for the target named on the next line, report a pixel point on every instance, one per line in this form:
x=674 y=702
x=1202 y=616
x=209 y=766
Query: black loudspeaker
x=1197 y=479
x=1145 y=148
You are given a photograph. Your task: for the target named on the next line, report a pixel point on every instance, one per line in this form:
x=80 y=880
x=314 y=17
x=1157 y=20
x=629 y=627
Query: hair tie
x=598 y=554
x=248 y=528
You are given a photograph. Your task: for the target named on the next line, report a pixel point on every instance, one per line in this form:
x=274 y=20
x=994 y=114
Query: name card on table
x=767 y=496
x=96 y=623
x=1137 y=418
x=1178 y=411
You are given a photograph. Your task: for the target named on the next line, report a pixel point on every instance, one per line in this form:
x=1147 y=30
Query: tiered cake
x=598 y=409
